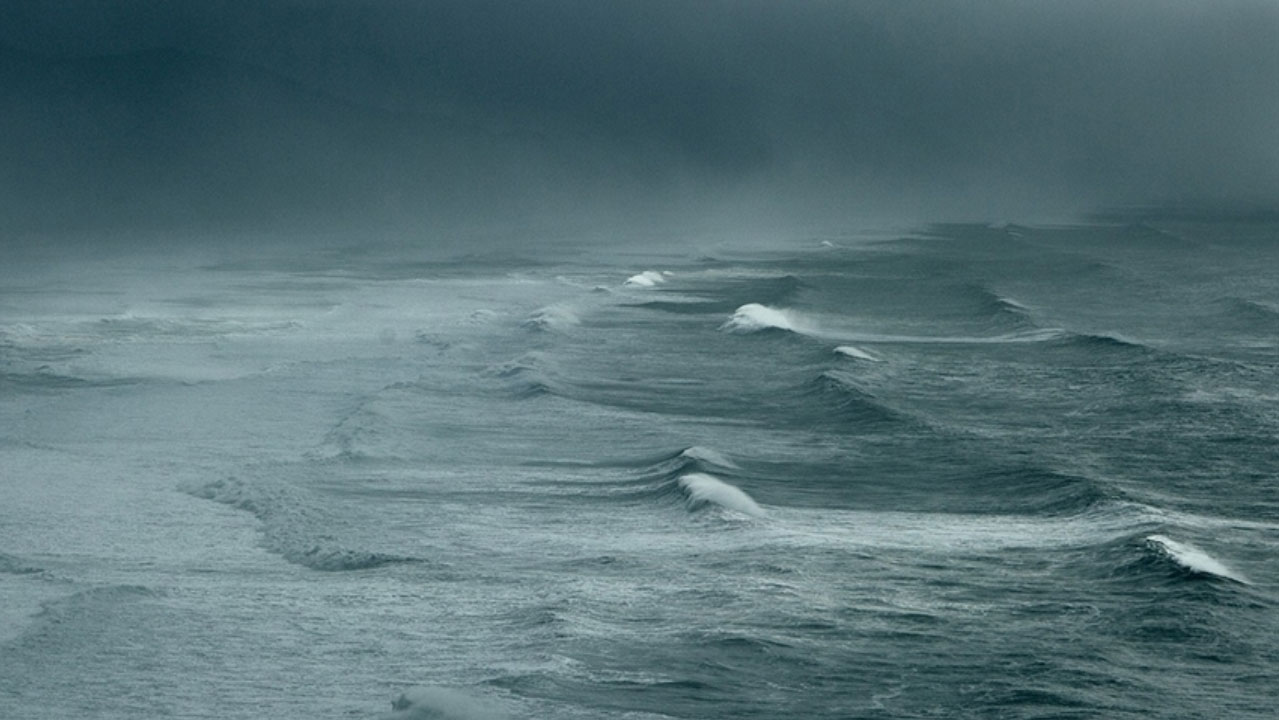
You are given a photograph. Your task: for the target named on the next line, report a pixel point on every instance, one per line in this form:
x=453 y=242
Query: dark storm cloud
x=261 y=113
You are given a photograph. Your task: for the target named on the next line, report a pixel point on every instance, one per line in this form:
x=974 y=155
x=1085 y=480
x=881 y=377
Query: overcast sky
x=269 y=114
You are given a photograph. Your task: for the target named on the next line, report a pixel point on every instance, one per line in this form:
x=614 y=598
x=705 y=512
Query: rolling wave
x=844 y=396
x=855 y=353
x=294 y=526
x=694 y=476
x=647 y=279
x=528 y=376
x=754 y=317
x=1193 y=560
x=701 y=489
x=720 y=294
x=553 y=318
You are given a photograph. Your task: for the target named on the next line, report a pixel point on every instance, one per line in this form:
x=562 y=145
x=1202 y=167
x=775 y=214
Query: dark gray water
x=968 y=472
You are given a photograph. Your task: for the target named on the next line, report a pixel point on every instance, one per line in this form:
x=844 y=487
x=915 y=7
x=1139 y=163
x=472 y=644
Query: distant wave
x=11 y=565
x=648 y=278
x=129 y=326
x=702 y=489
x=754 y=317
x=694 y=476
x=720 y=292
x=1249 y=316
x=294 y=527
x=553 y=318
x=1192 y=559
x=44 y=379
x=527 y=376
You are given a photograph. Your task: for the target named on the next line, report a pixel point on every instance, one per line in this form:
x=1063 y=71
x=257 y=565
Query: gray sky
x=268 y=115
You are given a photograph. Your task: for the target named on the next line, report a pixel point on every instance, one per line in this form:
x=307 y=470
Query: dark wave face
x=972 y=472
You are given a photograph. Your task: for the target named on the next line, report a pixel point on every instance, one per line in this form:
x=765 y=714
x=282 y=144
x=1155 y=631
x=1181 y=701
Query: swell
x=839 y=396
x=294 y=525
x=1028 y=490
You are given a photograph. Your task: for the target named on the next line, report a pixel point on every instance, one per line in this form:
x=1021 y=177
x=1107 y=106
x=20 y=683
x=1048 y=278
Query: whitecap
x=648 y=278
x=1193 y=559
x=700 y=489
x=754 y=317
x=856 y=353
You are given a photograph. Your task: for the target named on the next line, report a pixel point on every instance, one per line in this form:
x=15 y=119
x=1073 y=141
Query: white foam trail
x=1194 y=559
x=702 y=488
x=707 y=455
x=855 y=352
x=754 y=317
x=648 y=278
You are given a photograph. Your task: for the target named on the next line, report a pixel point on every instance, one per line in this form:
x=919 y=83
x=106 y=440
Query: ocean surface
x=963 y=471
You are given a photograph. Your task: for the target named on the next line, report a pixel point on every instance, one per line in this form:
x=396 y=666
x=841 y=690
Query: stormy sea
x=969 y=471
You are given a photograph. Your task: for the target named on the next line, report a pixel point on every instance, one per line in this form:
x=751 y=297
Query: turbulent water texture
x=970 y=472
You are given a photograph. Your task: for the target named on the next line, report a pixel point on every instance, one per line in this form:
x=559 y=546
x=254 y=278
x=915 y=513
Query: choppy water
x=970 y=472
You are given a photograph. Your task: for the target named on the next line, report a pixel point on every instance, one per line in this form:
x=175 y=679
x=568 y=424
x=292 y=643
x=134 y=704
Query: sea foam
x=701 y=489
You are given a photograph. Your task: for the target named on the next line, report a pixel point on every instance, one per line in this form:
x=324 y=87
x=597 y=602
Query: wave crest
x=701 y=489
x=1192 y=559
x=753 y=317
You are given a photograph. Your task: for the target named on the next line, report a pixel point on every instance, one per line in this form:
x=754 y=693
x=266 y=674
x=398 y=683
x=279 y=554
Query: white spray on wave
x=1194 y=559
x=701 y=488
x=754 y=317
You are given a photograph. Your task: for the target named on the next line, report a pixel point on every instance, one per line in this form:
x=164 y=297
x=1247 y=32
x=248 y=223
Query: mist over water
x=638 y=360
x=425 y=120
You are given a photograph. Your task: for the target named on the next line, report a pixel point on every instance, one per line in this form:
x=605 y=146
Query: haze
x=185 y=118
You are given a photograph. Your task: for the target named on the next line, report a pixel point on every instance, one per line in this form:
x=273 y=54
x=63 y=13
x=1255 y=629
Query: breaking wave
x=553 y=318
x=701 y=489
x=648 y=278
x=1192 y=560
x=855 y=353
x=754 y=317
